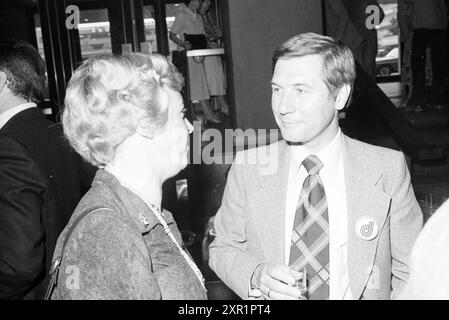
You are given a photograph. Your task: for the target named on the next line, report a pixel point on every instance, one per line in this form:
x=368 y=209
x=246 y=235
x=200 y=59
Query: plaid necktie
x=310 y=236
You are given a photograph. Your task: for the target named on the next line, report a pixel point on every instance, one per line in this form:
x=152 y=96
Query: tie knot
x=312 y=164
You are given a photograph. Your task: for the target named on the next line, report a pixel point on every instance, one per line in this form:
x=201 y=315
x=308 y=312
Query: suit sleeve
x=22 y=261
x=229 y=256
x=406 y=221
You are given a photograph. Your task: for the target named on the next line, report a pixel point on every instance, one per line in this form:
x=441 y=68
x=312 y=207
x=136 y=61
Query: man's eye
x=274 y=89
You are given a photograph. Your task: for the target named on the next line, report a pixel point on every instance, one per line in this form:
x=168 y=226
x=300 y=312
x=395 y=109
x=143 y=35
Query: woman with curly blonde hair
x=125 y=115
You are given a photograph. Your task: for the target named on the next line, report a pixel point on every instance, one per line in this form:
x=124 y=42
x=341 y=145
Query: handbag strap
x=55 y=265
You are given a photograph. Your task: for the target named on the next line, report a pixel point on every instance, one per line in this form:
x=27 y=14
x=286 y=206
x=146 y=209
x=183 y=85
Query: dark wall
x=256 y=28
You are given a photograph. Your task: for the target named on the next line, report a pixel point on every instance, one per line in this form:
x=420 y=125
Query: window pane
x=40 y=43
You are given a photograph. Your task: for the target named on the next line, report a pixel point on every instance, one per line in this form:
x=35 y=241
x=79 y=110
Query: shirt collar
x=329 y=156
x=8 y=114
x=144 y=218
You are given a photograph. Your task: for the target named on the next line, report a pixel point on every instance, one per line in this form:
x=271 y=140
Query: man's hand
x=276 y=281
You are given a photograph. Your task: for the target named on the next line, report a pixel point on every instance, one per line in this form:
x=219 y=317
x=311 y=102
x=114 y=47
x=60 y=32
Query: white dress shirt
x=332 y=175
x=8 y=114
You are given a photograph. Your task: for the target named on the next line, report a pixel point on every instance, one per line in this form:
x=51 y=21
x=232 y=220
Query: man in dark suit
x=40 y=181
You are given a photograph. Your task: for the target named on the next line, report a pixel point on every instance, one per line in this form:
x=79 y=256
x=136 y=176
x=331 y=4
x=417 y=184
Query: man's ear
x=3 y=80
x=342 y=97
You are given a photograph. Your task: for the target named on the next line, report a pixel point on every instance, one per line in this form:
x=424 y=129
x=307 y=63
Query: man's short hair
x=24 y=69
x=338 y=60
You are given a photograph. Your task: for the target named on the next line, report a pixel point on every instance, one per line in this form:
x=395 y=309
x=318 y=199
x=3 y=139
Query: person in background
x=41 y=179
x=429 y=261
x=188 y=21
x=125 y=115
x=429 y=21
x=213 y=66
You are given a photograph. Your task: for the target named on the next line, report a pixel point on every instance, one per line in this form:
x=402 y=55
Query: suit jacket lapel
x=268 y=205
x=365 y=199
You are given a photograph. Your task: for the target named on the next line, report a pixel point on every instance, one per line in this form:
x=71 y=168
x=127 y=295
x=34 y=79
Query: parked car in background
x=389 y=63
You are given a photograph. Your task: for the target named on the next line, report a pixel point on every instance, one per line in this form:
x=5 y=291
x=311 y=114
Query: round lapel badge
x=367 y=229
